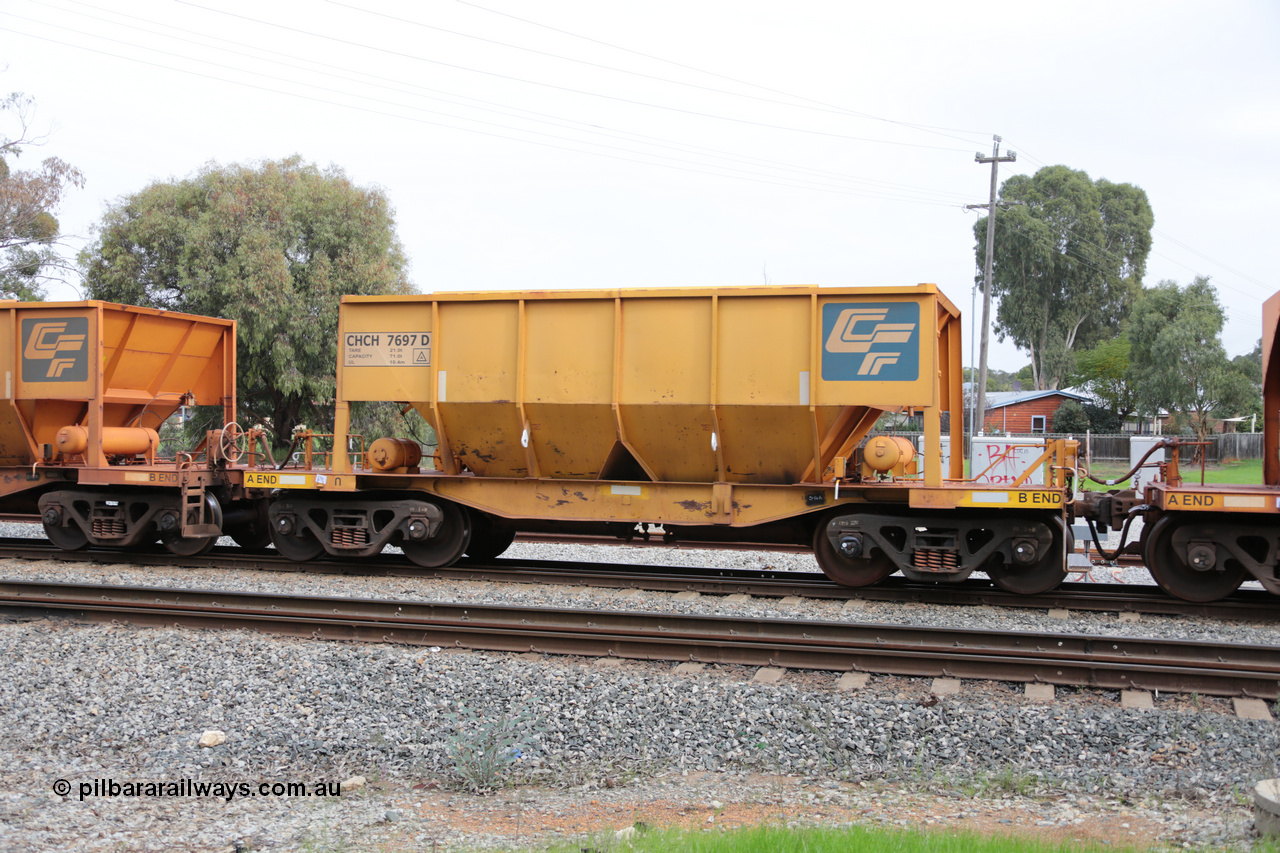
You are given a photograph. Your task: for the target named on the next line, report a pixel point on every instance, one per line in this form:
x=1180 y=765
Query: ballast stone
x=213 y=737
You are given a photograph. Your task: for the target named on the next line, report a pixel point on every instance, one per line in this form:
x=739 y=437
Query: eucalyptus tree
x=1070 y=254
x=29 y=198
x=271 y=245
x=1104 y=371
x=1177 y=357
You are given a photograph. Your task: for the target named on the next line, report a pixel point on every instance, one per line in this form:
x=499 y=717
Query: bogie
x=1021 y=552
x=431 y=532
x=116 y=518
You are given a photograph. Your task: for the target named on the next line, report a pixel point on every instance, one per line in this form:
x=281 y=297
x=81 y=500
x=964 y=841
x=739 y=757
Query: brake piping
x=1124 y=533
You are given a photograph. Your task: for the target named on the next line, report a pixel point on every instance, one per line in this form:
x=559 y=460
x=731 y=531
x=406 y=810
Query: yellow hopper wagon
x=743 y=415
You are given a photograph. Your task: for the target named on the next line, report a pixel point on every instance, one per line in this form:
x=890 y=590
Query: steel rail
x=1064 y=659
x=1245 y=604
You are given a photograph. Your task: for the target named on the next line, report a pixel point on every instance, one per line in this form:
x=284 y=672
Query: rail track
x=1060 y=659
x=1245 y=604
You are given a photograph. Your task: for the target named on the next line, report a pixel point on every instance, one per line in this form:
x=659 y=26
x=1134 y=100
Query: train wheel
x=863 y=571
x=194 y=547
x=1037 y=577
x=251 y=539
x=1167 y=562
x=490 y=536
x=299 y=547
x=189 y=547
x=254 y=534
x=68 y=538
x=448 y=545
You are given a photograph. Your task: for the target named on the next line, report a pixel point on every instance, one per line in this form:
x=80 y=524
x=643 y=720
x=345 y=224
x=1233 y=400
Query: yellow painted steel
x=692 y=504
x=391 y=454
x=889 y=454
x=104 y=367
x=1260 y=499
x=727 y=385
x=282 y=480
x=993 y=499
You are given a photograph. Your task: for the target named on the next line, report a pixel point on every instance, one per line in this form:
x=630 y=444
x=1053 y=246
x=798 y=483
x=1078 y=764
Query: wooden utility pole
x=980 y=401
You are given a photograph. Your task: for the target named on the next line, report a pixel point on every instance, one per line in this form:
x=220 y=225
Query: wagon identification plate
x=273 y=480
x=1192 y=500
x=1012 y=499
x=871 y=341
x=386 y=349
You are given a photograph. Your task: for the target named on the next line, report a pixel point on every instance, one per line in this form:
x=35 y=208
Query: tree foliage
x=997 y=380
x=272 y=246
x=1070 y=254
x=1250 y=366
x=1070 y=417
x=1104 y=372
x=1103 y=420
x=1177 y=357
x=28 y=200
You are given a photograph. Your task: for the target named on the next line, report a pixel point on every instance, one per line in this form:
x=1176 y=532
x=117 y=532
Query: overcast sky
x=574 y=144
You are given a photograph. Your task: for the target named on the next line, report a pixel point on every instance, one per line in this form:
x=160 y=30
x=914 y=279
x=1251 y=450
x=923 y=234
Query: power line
x=942 y=131
x=1245 y=276
x=1075 y=253
x=764 y=180
x=872 y=187
x=507 y=110
x=796 y=101
x=1266 y=287
x=568 y=89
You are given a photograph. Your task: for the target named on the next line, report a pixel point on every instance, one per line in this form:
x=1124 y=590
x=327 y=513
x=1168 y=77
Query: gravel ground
x=602 y=745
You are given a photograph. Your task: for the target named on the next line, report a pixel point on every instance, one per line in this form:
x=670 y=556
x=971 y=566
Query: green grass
x=1246 y=472
x=1241 y=472
x=826 y=840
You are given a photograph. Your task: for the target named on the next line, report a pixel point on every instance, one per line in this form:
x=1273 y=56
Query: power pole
x=980 y=396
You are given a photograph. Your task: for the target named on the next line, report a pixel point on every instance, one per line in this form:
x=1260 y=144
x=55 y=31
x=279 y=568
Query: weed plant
x=484 y=748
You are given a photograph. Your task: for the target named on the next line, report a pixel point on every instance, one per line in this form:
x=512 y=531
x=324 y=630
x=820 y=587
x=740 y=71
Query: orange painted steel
x=102 y=368
x=87 y=386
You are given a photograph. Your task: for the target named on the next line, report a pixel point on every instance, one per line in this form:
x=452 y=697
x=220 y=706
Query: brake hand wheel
x=231 y=442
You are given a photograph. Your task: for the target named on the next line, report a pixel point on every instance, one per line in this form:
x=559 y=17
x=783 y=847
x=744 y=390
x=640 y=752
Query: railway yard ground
x=604 y=744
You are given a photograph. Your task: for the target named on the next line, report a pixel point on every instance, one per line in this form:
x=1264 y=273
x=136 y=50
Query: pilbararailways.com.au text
x=195 y=788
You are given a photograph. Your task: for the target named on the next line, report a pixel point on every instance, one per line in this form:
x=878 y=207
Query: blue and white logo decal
x=871 y=341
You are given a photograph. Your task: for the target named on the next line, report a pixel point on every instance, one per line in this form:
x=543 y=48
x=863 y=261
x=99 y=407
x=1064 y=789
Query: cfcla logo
x=47 y=339
x=56 y=350
x=871 y=341
x=843 y=338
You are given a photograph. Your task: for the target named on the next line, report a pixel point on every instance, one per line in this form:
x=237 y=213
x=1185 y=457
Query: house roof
x=1000 y=399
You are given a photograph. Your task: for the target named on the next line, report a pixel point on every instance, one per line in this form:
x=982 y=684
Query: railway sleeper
x=1022 y=554
x=302 y=526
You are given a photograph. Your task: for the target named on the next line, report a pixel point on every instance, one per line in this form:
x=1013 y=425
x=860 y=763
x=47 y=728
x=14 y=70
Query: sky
x=573 y=144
